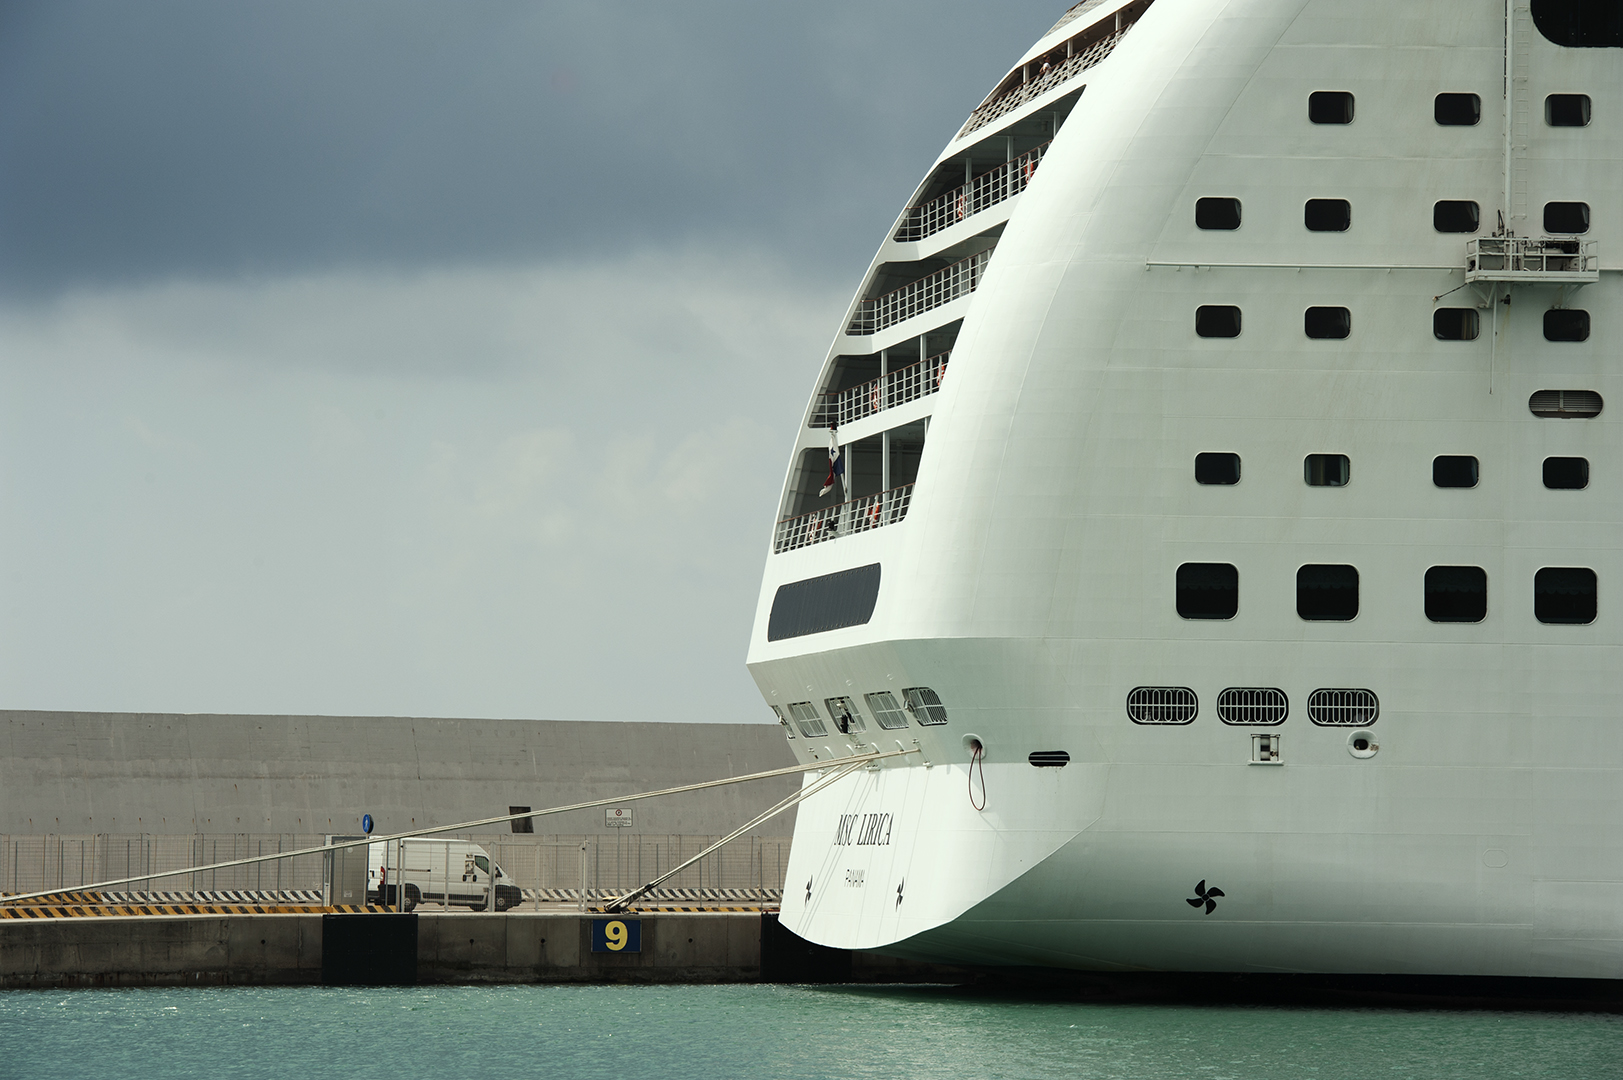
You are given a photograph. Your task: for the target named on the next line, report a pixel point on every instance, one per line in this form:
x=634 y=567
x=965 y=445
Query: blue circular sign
x=366 y=824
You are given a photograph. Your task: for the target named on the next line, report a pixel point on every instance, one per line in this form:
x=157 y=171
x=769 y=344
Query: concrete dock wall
x=162 y=773
x=262 y=950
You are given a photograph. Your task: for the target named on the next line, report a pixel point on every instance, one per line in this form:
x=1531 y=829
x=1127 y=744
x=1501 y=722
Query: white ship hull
x=1474 y=826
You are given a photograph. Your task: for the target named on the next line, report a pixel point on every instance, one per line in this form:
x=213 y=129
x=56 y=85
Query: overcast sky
x=431 y=359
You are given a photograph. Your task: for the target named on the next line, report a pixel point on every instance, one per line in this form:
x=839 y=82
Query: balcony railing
x=981 y=193
x=1043 y=73
x=886 y=392
x=941 y=287
x=1529 y=258
x=857 y=515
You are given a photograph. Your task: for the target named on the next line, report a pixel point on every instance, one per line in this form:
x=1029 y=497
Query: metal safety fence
x=915 y=298
x=857 y=515
x=547 y=868
x=894 y=388
x=981 y=193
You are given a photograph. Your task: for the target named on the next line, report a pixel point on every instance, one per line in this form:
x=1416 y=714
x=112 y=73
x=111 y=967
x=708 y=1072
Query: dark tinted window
x=1457 y=109
x=1330 y=107
x=1214 y=321
x=1327 y=322
x=1208 y=591
x=1455 y=323
x=1456 y=594
x=1455 y=215
x=1580 y=23
x=1567 y=110
x=1565 y=404
x=1327 y=215
x=1327 y=593
x=819 y=604
x=1566 y=217
x=1454 y=470
x=1217 y=468
x=1566 y=324
x=1566 y=473
x=1217 y=213
x=1564 y=594
x=1326 y=470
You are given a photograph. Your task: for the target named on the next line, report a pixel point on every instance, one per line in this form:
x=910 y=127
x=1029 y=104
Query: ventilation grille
x=1049 y=759
x=1343 y=708
x=1565 y=404
x=805 y=716
x=1253 y=706
x=1162 y=705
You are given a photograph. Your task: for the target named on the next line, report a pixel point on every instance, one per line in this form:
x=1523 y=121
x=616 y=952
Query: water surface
x=799 y=1032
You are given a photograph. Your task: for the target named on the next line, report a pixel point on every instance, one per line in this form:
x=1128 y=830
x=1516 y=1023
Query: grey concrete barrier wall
x=212 y=950
x=163 y=773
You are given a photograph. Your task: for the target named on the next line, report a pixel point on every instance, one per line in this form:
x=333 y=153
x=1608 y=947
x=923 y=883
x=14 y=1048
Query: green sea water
x=800 y=1032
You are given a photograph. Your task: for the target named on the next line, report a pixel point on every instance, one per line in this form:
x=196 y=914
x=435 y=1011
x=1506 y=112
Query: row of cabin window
x=1447 y=470
x=1335 y=215
x=1329 y=593
x=1451 y=110
x=923 y=703
x=1447 y=324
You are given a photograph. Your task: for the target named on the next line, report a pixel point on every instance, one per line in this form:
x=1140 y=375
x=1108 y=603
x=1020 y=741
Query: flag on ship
x=836 y=462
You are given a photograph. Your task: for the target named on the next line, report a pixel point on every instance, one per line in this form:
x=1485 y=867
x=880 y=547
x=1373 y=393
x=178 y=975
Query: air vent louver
x=1049 y=759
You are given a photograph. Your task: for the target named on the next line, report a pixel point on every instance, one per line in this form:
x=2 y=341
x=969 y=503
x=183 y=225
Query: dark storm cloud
x=200 y=138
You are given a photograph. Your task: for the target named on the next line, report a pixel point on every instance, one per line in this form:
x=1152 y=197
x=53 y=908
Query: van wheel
x=413 y=897
x=502 y=904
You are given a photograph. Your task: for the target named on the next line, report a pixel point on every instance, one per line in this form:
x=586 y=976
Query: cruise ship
x=1211 y=489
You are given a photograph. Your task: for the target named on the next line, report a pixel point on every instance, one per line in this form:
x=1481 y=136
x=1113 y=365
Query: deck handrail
x=853 y=516
x=1519 y=258
x=917 y=297
x=894 y=388
x=981 y=193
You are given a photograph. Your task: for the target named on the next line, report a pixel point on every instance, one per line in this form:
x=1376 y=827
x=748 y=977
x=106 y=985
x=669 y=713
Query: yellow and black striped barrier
x=78 y=905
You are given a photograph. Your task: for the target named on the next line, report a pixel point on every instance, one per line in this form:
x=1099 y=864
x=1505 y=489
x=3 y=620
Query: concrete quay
x=425 y=949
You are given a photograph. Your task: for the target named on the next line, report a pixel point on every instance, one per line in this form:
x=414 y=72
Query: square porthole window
x=1208 y=590
x=1456 y=324
x=1566 y=217
x=1457 y=110
x=1564 y=594
x=1456 y=594
x=1566 y=473
x=1217 y=213
x=1566 y=324
x=1454 y=470
x=843 y=711
x=1327 y=215
x=1212 y=320
x=1327 y=593
x=1456 y=216
x=925 y=705
x=1217 y=468
x=887 y=711
x=1326 y=470
x=1330 y=107
x=1567 y=110
x=1327 y=322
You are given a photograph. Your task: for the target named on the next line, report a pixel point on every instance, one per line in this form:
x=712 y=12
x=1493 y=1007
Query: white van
x=449 y=872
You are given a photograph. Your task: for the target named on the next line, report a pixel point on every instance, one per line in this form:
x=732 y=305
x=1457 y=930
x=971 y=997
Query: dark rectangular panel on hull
x=828 y=602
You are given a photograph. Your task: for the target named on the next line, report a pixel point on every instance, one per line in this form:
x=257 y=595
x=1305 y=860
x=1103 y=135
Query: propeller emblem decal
x=899 y=892
x=808 y=890
x=1206 y=896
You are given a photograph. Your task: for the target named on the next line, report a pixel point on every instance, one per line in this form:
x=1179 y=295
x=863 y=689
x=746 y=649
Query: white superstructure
x=1232 y=455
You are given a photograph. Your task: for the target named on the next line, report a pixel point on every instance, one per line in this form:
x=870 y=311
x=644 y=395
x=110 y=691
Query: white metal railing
x=1530 y=258
x=857 y=515
x=1027 y=84
x=894 y=388
x=915 y=298
x=981 y=193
